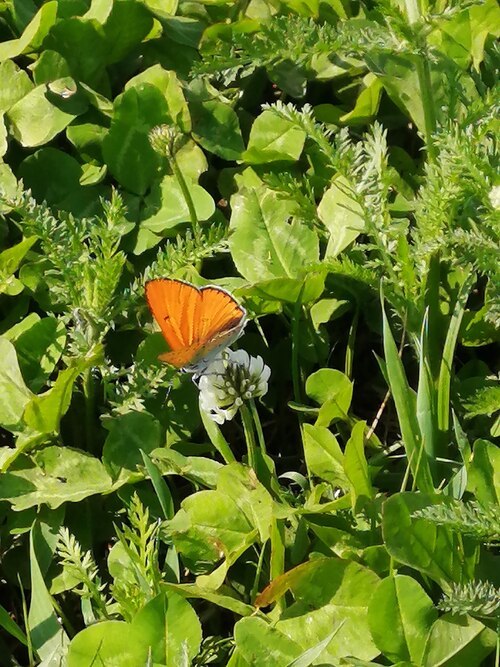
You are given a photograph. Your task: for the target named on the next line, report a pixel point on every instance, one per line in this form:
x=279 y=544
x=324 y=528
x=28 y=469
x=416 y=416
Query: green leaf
x=240 y=483
x=160 y=486
x=19 y=84
x=331 y=389
x=356 y=467
x=273 y=139
x=47 y=636
x=484 y=473
x=226 y=601
x=259 y=643
x=39 y=348
x=130 y=434
x=308 y=657
x=12 y=627
x=55 y=476
x=82 y=44
x=456 y=641
x=39 y=116
x=405 y=402
x=166 y=207
x=43 y=413
x=55 y=176
x=289 y=290
x=367 y=104
x=3 y=137
x=33 y=34
x=170 y=628
x=434 y=550
x=263 y=243
x=107 y=643
x=342 y=216
x=126 y=149
x=216 y=127
x=327 y=592
x=209 y=526
x=168 y=83
x=126 y=26
x=10 y=261
x=14 y=394
x=400 y=615
x=323 y=455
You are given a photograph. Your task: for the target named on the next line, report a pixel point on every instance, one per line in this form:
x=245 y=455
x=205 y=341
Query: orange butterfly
x=197 y=323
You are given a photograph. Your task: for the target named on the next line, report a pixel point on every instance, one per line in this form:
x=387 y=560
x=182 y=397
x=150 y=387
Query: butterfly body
x=197 y=323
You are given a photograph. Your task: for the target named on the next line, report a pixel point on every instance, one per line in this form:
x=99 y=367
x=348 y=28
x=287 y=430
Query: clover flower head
x=494 y=196
x=232 y=378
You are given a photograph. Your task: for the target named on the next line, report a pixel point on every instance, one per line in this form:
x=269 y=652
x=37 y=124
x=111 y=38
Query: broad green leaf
x=264 y=244
x=259 y=643
x=398 y=74
x=55 y=476
x=39 y=348
x=484 y=473
x=126 y=26
x=290 y=290
x=166 y=206
x=169 y=626
x=216 y=127
x=36 y=119
x=14 y=394
x=82 y=44
x=168 y=83
x=332 y=390
x=107 y=643
x=342 y=215
x=198 y=469
x=367 y=104
x=240 y=484
x=326 y=310
x=356 y=467
x=330 y=591
x=49 y=67
x=209 y=526
x=33 y=35
x=323 y=455
x=400 y=616
x=434 y=550
x=129 y=434
x=47 y=635
x=10 y=261
x=308 y=657
x=274 y=138
x=456 y=641
x=18 y=87
x=43 y=413
x=478 y=396
x=126 y=149
x=54 y=176
x=8 y=185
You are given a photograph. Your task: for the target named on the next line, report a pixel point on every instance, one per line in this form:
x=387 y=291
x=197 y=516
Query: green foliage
x=333 y=166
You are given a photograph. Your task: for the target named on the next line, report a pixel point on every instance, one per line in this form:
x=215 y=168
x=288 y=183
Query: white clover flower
x=494 y=196
x=232 y=378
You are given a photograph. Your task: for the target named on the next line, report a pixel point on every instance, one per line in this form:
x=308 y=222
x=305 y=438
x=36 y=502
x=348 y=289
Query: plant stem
x=187 y=196
x=349 y=353
x=246 y=418
x=89 y=394
x=258 y=426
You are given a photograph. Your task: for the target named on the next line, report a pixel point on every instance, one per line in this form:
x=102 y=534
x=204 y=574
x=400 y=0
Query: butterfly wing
x=196 y=323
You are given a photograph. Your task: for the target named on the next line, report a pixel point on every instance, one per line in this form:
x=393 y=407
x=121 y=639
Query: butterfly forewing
x=196 y=323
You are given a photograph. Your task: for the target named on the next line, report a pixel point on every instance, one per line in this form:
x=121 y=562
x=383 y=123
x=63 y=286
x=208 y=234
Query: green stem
x=295 y=346
x=246 y=418
x=187 y=196
x=258 y=572
x=258 y=426
x=90 y=409
x=349 y=353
